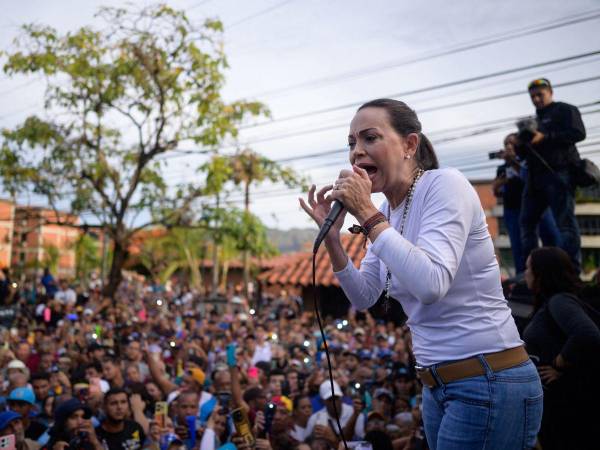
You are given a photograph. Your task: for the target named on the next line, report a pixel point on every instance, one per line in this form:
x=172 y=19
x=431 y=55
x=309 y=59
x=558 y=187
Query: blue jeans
x=556 y=191
x=511 y=221
x=496 y=411
x=547 y=229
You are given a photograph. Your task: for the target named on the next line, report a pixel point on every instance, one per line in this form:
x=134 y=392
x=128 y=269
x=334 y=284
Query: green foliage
x=249 y=167
x=130 y=92
x=245 y=229
x=118 y=98
x=87 y=256
x=51 y=257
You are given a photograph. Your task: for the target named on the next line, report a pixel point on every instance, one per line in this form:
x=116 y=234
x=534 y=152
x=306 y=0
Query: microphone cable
x=318 y=314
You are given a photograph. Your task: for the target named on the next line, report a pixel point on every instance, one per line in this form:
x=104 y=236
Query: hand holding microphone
x=351 y=192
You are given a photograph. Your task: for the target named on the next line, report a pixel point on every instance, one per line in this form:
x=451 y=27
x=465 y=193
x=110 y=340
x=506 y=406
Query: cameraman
x=509 y=184
x=73 y=428
x=549 y=151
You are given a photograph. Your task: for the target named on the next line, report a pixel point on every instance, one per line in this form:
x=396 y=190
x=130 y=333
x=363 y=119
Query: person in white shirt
x=262 y=351
x=66 y=295
x=431 y=251
x=323 y=424
x=302 y=411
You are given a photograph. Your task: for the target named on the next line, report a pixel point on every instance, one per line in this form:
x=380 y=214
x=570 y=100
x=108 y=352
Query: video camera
x=527 y=128
x=498 y=154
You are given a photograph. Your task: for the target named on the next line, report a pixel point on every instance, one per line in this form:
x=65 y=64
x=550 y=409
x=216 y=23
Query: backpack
x=585 y=173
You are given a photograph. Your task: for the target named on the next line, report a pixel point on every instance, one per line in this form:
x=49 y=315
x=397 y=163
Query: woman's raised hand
x=319 y=206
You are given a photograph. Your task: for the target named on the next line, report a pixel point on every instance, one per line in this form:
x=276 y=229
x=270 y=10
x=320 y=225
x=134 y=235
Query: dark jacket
x=561 y=325
x=562 y=127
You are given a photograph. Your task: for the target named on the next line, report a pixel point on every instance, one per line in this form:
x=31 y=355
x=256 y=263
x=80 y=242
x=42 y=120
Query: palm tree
x=249 y=167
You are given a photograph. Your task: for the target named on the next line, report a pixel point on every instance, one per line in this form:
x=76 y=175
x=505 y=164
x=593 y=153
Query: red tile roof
x=296 y=268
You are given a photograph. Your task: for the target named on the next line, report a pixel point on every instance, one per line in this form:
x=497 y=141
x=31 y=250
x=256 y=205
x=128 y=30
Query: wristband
x=372 y=221
x=368 y=225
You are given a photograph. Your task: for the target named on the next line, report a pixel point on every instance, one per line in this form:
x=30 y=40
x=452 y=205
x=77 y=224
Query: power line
x=430 y=88
x=258 y=14
x=501 y=124
x=20 y=86
x=197 y=5
x=457 y=48
x=180 y=153
x=273 y=193
x=423 y=110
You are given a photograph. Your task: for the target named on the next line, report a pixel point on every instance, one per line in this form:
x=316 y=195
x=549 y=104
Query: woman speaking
x=431 y=250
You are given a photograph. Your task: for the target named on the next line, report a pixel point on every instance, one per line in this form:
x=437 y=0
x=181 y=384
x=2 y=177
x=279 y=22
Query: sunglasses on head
x=540 y=82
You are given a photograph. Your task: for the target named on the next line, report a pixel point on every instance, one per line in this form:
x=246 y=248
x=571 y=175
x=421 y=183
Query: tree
x=249 y=167
x=50 y=257
x=87 y=256
x=218 y=172
x=119 y=100
x=185 y=245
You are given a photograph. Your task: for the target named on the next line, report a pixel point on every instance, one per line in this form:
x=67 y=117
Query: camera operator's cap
x=540 y=82
x=22 y=394
x=325 y=390
x=7 y=417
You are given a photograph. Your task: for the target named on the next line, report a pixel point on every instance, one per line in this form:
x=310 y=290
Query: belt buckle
x=425 y=370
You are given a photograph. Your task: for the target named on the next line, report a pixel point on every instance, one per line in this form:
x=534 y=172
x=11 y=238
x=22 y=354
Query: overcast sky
x=300 y=56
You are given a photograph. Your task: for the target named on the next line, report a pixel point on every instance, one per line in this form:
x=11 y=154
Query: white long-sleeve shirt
x=444 y=272
x=322 y=417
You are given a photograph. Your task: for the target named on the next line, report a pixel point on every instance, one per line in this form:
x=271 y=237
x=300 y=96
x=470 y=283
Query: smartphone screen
x=160 y=413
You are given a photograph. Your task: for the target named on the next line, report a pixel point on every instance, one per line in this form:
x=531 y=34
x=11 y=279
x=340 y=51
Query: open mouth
x=371 y=169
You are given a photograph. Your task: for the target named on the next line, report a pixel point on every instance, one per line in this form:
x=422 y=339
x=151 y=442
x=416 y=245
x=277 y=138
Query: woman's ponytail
x=425 y=155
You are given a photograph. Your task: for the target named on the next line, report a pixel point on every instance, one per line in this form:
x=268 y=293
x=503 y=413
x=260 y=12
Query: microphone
x=336 y=209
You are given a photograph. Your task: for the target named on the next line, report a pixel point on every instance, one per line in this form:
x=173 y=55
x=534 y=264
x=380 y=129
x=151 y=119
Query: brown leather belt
x=472 y=367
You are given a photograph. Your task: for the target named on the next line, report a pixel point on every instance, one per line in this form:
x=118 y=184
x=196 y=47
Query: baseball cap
x=198 y=375
x=68 y=407
x=383 y=391
x=283 y=402
x=364 y=354
x=359 y=331
x=7 y=417
x=325 y=390
x=540 y=82
x=19 y=365
x=22 y=394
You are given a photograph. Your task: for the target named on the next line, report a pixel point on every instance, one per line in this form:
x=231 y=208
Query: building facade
x=39 y=241
x=587 y=212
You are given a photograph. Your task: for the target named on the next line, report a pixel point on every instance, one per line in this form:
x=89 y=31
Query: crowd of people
x=165 y=368
x=84 y=372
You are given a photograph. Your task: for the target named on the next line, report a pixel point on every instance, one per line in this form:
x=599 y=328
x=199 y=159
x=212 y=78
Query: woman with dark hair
x=565 y=342
x=431 y=250
x=302 y=410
